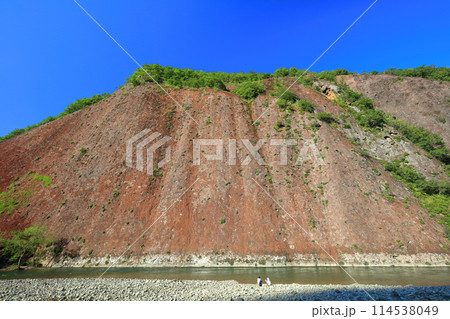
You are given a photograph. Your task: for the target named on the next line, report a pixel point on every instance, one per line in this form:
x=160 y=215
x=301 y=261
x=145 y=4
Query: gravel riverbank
x=149 y=289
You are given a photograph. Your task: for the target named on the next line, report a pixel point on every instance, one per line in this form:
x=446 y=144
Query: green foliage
x=304 y=106
x=294 y=72
x=432 y=143
x=278 y=126
x=116 y=193
x=342 y=86
x=21 y=245
x=367 y=116
x=311 y=222
x=307 y=81
x=371 y=118
x=283 y=93
x=327 y=76
x=222 y=221
x=281 y=72
x=188 y=78
x=434 y=195
x=84 y=102
x=315 y=126
x=330 y=76
x=438 y=204
x=249 y=90
x=75 y=106
x=12 y=199
x=13 y=133
x=405 y=173
x=429 y=72
x=283 y=104
x=326 y=117
x=45 y=179
x=16 y=197
x=364 y=103
x=351 y=96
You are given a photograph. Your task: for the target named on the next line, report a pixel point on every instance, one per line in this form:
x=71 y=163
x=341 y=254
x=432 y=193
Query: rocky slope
x=414 y=100
x=340 y=206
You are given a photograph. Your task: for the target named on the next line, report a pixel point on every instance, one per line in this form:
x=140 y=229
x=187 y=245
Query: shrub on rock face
x=281 y=72
x=330 y=76
x=249 y=90
x=306 y=81
x=289 y=96
x=304 y=106
x=214 y=83
x=84 y=102
x=364 y=102
x=371 y=118
x=282 y=104
x=326 y=117
x=282 y=92
x=429 y=72
x=351 y=96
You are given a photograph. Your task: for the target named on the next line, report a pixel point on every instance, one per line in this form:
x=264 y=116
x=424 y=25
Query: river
x=416 y=276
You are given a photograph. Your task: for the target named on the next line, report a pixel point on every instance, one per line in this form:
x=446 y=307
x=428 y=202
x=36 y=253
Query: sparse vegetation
x=17 y=196
x=428 y=72
x=432 y=143
x=330 y=76
x=364 y=115
x=326 y=117
x=84 y=102
x=283 y=93
x=75 y=106
x=304 y=106
x=311 y=222
x=116 y=193
x=434 y=195
x=45 y=179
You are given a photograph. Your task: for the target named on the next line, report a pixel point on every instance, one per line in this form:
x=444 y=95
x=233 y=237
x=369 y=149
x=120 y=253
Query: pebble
x=194 y=290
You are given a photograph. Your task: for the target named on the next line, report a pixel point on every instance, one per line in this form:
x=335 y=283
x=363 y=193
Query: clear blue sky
x=52 y=53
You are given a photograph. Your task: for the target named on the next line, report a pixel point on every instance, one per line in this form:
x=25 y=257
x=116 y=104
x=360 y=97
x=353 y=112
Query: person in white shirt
x=259 y=281
x=268 y=282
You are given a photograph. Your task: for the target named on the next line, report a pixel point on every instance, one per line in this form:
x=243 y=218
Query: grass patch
x=433 y=195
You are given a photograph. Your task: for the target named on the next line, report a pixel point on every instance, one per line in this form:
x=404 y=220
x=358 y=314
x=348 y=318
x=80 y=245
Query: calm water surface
x=420 y=276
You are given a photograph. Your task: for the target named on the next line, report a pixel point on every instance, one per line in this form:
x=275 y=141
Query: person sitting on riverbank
x=268 y=282
x=259 y=281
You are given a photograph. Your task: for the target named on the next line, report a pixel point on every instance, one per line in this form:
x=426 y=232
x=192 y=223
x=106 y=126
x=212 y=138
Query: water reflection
x=417 y=276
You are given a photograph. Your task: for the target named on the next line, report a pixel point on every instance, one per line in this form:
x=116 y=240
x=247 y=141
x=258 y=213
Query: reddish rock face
x=337 y=205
